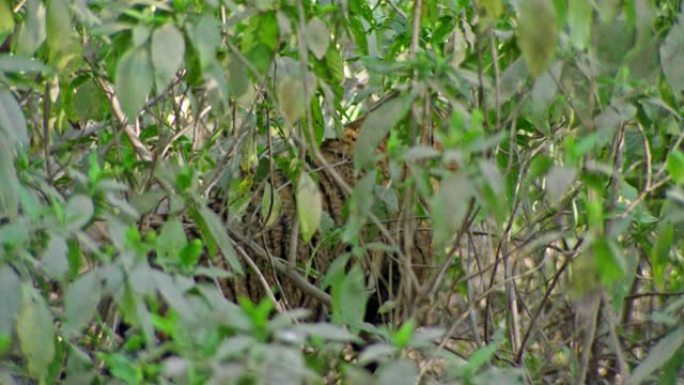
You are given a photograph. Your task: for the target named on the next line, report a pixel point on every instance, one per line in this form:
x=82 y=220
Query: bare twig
x=129 y=129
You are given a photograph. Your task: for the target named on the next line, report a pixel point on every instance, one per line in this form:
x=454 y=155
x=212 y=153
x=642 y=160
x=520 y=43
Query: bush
x=355 y=192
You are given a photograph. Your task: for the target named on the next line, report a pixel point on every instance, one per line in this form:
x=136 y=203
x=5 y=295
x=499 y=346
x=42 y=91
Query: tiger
x=272 y=236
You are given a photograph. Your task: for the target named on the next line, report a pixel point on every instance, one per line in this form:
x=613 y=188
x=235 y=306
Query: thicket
x=540 y=140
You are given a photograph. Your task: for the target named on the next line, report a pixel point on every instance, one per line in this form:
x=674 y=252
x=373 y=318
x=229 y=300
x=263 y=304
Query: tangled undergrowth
x=358 y=192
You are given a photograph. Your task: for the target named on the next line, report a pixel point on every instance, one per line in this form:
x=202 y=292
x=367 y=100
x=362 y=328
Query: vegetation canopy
x=341 y=192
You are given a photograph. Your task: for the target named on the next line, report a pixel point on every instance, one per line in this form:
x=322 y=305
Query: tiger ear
x=351 y=130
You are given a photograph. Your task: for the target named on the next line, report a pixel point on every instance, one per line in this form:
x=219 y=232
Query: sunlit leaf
x=267 y=30
x=134 y=80
x=317 y=37
x=537 y=34
x=675 y=166
x=377 y=125
x=80 y=301
x=168 y=50
x=658 y=356
x=402 y=337
x=190 y=254
x=309 y=206
x=36 y=332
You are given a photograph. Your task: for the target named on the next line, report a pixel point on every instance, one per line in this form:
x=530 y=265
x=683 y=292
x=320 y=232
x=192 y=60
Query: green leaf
x=376 y=127
x=609 y=263
x=270 y=205
x=9 y=188
x=361 y=202
x=675 y=166
x=327 y=331
x=62 y=46
x=18 y=64
x=238 y=78
x=31 y=33
x=191 y=253
x=134 y=80
x=80 y=301
x=10 y=292
x=168 y=50
x=402 y=337
x=349 y=298
x=317 y=37
x=449 y=208
x=89 y=102
x=400 y=372
x=494 y=191
x=291 y=98
x=480 y=357
x=55 y=257
x=537 y=34
x=660 y=253
x=141 y=34
x=558 y=181
x=36 y=332
x=267 y=31
x=214 y=228
x=169 y=288
x=335 y=64
x=123 y=368
x=12 y=121
x=579 y=20
x=6 y=20
x=658 y=356
x=309 y=206
x=492 y=9
x=77 y=212
x=206 y=37
x=672 y=57
x=172 y=239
